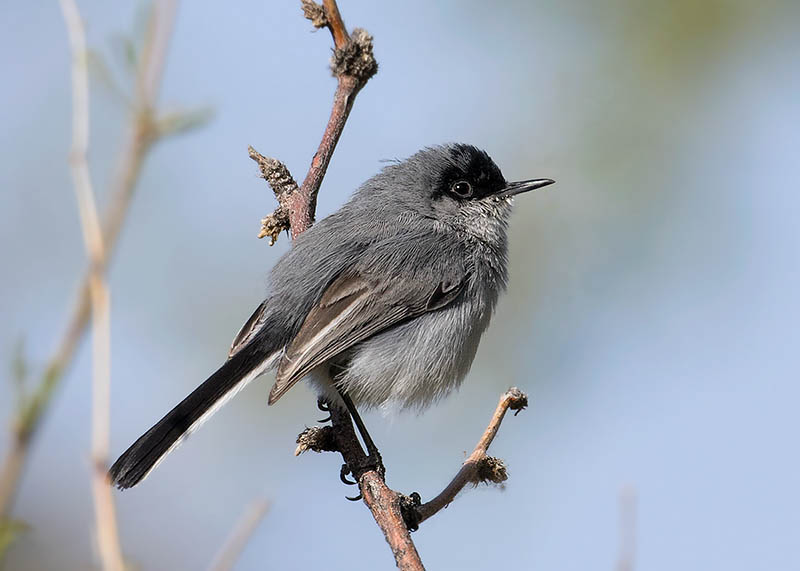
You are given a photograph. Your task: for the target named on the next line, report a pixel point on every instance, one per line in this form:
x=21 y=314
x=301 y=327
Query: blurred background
x=651 y=316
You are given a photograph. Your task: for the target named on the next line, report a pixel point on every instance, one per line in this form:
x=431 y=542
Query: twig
x=385 y=504
x=283 y=185
x=353 y=64
x=237 y=540
x=335 y=23
x=478 y=467
x=105 y=513
x=143 y=134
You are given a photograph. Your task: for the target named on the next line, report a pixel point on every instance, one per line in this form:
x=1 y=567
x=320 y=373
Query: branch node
x=316 y=438
x=315 y=12
x=517 y=400
x=355 y=58
x=283 y=185
x=489 y=470
x=275 y=173
x=273 y=224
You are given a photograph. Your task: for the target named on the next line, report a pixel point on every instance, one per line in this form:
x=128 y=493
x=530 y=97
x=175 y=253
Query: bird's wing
x=248 y=330
x=352 y=309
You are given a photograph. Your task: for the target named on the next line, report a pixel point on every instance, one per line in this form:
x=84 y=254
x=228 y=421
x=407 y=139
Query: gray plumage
x=387 y=297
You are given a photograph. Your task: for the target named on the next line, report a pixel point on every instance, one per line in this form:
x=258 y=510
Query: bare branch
x=237 y=540
x=142 y=135
x=283 y=185
x=386 y=505
x=353 y=64
x=318 y=439
x=335 y=23
x=105 y=513
x=478 y=467
x=314 y=12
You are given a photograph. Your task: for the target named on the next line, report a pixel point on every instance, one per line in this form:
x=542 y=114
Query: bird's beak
x=521 y=186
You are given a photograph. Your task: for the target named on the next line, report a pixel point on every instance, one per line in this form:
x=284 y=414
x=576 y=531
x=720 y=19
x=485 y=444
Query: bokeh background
x=652 y=312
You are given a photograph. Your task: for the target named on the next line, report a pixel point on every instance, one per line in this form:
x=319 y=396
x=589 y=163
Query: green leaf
x=98 y=68
x=19 y=370
x=10 y=530
x=183 y=121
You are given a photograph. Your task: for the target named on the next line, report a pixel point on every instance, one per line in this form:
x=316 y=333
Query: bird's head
x=458 y=186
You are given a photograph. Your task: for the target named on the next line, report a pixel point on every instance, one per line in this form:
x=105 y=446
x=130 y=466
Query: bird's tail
x=146 y=453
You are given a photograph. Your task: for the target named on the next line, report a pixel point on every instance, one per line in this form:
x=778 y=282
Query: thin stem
x=336 y=24
x=105 y=513
x=515 y=400
x=303 y=204
x=237 y=540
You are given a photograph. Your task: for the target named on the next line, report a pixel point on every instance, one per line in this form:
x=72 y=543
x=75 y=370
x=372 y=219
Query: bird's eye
x=462 y=188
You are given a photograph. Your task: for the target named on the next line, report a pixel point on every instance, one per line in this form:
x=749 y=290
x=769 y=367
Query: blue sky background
x=652 y=313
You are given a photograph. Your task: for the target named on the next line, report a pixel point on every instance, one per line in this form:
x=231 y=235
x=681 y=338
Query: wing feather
x=248 y=330
x=352 y=309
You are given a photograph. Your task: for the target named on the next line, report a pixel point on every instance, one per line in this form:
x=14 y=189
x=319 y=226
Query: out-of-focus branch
x=627 y=529
x=105 y=513
x=146 y=128
x=478 y=467
x=237 y=540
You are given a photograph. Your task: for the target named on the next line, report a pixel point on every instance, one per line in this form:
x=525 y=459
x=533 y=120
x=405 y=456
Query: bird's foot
x=372 y=461
x=367 y=464
x=409 y=509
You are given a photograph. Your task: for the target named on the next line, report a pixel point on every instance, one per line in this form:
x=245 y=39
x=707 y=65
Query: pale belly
x=412 y=365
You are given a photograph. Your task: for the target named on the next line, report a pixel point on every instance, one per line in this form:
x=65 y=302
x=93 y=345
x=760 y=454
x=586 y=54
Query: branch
x=105 y=513
x=283 y=185
x=144 y=131
x=386 y=505
x=233 y=546
x=478 y=467
x=353 y=64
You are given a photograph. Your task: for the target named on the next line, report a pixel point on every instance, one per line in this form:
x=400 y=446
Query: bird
x=380 y=305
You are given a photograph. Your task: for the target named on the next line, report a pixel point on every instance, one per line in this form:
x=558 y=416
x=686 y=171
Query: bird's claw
x=343 y=475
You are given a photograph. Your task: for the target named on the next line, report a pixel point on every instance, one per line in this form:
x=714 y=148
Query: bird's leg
x=373 y=455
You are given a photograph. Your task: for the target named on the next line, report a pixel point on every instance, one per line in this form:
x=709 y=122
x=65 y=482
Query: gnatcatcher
x=381 y=304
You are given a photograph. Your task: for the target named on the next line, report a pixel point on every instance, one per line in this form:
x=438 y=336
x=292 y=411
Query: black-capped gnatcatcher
x=381 y=304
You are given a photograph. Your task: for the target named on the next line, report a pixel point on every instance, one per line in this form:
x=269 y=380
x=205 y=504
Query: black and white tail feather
x=245 y=364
